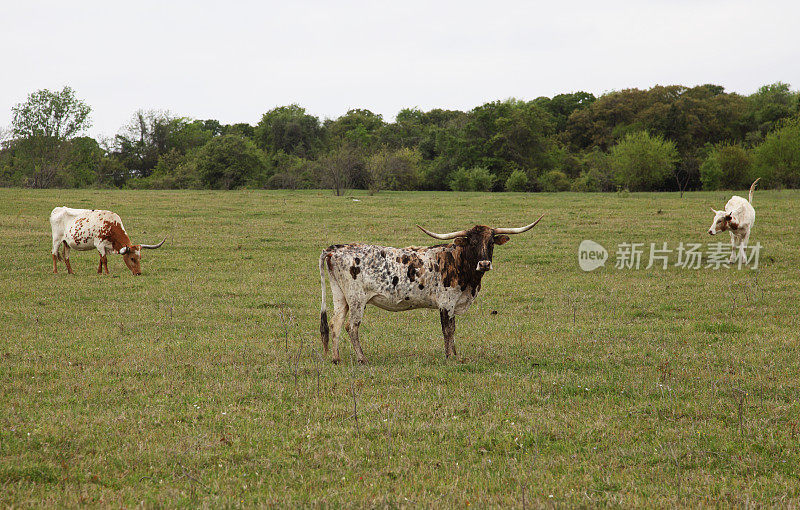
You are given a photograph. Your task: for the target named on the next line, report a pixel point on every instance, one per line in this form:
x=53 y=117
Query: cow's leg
x=66 y=258
x=742 y=246
x=448 y=331
x=733 y=248
x=103 y=259
x=54 y=251
x=340 y=309
x=100 y=265
x=356 y=314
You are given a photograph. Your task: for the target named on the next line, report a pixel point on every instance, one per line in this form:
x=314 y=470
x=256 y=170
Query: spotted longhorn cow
x=446 y=277
x=89 y=229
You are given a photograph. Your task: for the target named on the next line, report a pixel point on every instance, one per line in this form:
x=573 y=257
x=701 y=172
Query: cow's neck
x=117 y=236
x=467 y=261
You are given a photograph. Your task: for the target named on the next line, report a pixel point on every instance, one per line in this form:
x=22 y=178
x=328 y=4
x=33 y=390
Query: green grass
x=202 y=383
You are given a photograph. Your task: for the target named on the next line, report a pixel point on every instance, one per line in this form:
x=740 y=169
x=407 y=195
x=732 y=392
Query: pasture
x=202 y=382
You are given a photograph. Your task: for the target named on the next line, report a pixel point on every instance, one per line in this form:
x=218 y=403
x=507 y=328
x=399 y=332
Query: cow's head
x=479 y=241
x=722 y=221
x=132 y=255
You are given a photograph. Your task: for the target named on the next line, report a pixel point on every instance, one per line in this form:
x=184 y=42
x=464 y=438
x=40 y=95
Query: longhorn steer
x=446 y=277
x=738 y=217
x=88 y=229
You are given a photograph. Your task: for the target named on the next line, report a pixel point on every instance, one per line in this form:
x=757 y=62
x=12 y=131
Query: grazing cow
x=88 y=229
x=738 y=217
x=446 y=277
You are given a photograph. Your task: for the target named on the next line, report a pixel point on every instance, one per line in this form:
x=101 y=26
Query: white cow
x=738 y=217
x=89 y=229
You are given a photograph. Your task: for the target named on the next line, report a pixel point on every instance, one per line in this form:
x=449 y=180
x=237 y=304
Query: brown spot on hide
x=354 y=271
x=421 y=286
x=358 y=261
x=405 y=259
x=383 y=254
x=398 y=260
x=394 y=281
x=328 y=260
x=113 y=232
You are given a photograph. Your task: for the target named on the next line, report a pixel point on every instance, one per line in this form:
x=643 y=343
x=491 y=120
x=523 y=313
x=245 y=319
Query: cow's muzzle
x=484 y=265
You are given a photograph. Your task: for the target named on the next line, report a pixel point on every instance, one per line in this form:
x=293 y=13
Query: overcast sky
x=232 y=61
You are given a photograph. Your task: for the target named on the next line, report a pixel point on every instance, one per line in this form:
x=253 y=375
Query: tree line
x=666 y=138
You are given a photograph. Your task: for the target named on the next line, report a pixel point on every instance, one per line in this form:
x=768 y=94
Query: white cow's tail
x=752 y=189
x=323 y=314
x=61 y=252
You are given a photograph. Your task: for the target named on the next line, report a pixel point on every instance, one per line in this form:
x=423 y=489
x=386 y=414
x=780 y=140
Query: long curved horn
x=154 y=246
x=444 y=237
x=517 y=230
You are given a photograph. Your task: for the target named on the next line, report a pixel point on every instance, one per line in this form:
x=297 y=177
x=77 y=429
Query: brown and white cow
x=89 y=229
x=446 y=277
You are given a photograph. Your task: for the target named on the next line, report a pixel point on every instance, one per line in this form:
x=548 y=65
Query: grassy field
x=202 y=382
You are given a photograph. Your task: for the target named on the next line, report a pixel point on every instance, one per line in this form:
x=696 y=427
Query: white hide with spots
x=85 y=229
x=737 y=218
x=378 y=275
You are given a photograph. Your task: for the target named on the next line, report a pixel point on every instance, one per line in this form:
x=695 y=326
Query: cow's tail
x=752 y=189
x=323 y=314
x=62 y=248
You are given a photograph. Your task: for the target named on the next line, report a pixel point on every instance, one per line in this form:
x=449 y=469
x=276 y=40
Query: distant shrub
x=588 y=180
x=778 y=158
x=474 y=179
x=459 y=180
x=482 y=179
x=517 y=181
x=554 y=180
x=726 y=167
x=641 y=162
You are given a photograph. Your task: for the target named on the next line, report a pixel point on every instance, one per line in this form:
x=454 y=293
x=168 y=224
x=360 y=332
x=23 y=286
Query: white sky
x=233 y=60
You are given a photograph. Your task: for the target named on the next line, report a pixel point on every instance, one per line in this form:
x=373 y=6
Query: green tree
x=228 y=162
x=394 y=170
x=82 y=165
x=778 y=158
x=641 y=162
x=291 y=172
x=563 y=105
x=341 y=168
x=503 y=136
x=727 y=167
x=174 y=170
x=358 y=127
x=42 y=126
x=151 y=134
x=769 y=105
x=291 y=130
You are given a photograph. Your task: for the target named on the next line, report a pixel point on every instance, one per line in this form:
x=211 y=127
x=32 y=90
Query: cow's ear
x=503 y=239
x=460 y=241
